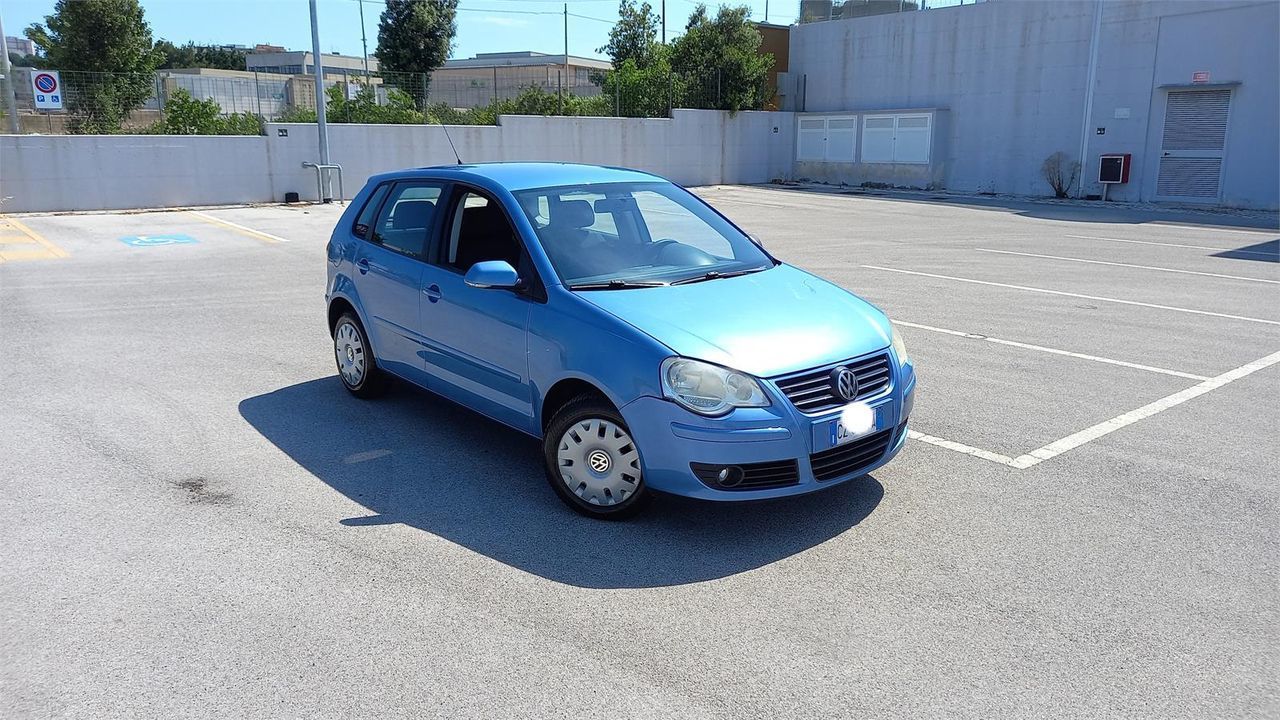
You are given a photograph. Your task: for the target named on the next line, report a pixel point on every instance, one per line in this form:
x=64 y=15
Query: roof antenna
x=445 y=128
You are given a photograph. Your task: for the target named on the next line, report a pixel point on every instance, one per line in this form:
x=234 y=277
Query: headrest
x=573 y=213
x=412 y=214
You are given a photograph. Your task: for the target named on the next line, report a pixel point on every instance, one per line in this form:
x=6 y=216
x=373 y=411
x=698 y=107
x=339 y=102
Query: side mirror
x=492 y=275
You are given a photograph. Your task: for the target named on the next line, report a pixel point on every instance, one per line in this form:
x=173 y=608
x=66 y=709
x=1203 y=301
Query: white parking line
x=1130 y=265
x=1177 y=245
x=962 y=448
x=1075 y=295
x=1202 y=228
x=1070 y=442
x=1054 y=351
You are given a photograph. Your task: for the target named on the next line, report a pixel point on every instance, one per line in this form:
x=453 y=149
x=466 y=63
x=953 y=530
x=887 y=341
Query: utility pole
x=664 y=18
x=364 y=42
x=766 y=11
x=318 y=66
x=566 y=35
x=11 y=101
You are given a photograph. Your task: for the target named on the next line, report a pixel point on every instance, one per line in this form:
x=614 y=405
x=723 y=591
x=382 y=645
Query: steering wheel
x=671 y=252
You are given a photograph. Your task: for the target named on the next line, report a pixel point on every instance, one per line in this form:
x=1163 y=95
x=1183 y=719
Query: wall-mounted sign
x=282 y=132
x=1200 y=76
x=46 y=89
x=1102 y=131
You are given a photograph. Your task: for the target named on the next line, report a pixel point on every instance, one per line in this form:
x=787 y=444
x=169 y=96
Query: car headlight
x=709 y=389
x=899 y=348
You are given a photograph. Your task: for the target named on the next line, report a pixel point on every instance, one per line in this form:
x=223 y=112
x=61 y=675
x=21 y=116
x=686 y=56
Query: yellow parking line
x=53 y=250
x=246 y=231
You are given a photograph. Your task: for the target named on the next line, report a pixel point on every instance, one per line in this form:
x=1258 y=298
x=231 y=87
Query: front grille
x=845 y=459
x=813 y=392
x=755 y=476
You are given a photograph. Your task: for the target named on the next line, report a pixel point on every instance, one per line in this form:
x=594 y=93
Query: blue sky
x=483 y=25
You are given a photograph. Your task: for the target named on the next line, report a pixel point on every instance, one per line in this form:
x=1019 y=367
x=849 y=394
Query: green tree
x=32 y=61
x=199 y=56
x=109 y=38
x=635 y=36
x=633 y=90
x=719 y=62
x=415 y=36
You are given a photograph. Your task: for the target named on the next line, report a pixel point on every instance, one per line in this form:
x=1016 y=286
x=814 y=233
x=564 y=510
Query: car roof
x=523 y=175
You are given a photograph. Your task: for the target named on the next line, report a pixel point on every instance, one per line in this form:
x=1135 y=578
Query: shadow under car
x=417 y=459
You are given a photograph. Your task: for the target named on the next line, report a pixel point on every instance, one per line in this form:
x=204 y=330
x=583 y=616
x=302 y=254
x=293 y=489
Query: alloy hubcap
x=598 y=462
x=350 y=353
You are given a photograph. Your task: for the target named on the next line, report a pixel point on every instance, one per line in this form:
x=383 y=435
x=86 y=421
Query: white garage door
x=1195 y=136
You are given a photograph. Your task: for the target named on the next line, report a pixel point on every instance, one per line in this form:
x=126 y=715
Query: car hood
x=767 y=323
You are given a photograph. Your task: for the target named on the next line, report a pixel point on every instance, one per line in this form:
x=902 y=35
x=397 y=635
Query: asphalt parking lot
x=200 y=522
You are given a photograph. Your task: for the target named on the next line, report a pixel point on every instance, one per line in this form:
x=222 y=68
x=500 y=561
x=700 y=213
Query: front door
x=1192 y=147
x=390 y=265
x=477 y=338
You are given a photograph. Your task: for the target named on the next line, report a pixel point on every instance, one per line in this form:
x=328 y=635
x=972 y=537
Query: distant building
x=300 y=62
x=470 y=82
x=21 y=46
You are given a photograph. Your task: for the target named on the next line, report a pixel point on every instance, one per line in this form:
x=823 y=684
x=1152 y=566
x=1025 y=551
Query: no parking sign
x=46 y=87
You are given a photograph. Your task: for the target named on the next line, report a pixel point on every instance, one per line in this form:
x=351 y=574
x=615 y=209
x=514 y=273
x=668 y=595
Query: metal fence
x=93 y=102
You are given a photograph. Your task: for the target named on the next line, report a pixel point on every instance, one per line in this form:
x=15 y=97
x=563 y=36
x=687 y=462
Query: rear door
x=389 y=267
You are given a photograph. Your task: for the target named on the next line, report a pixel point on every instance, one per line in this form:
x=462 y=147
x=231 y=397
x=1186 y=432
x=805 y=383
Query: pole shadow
x=414 y=458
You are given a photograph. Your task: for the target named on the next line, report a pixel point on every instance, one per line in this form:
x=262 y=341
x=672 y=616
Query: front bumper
x=670 y=438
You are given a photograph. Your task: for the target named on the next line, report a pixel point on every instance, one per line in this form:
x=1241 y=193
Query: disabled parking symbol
x=157 y=240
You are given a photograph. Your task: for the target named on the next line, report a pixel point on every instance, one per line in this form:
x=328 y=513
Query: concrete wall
x=1014 y=78
x=96 y=172
x=694 y=147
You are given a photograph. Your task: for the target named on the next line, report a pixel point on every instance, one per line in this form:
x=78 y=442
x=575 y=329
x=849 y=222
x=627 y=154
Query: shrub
x=1061 y=173
x=185 y=115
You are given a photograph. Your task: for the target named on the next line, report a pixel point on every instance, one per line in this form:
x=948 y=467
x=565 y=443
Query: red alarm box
x=1114 y=169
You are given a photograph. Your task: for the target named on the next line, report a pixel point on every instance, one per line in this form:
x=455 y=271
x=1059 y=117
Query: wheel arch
x=564 y=390
x=339 y=305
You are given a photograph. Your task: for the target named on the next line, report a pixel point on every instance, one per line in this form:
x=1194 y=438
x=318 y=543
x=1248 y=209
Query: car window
x=668 y=220
x=480 y=231
x=365 y=221
x=406 y=217
x=650 y=232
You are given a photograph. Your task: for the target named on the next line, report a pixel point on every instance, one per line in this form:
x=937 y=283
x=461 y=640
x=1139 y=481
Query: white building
x=975 y=97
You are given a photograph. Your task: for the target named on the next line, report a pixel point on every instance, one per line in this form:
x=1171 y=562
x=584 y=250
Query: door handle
x=432 y=292
x=362 y=265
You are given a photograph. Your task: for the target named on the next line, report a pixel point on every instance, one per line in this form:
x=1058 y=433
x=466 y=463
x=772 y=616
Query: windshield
x=618 y=235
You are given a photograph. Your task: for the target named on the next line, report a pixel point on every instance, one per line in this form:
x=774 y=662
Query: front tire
x=357 y=367
x=592 y=462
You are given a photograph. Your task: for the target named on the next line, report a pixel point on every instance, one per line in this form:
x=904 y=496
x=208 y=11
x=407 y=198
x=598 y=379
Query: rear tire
x=592 y=462
x=357 y=367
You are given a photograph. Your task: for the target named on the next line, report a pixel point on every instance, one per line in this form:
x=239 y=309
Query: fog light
x=730 y=476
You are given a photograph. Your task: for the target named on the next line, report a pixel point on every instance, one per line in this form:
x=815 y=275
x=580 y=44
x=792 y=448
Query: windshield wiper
x=618 y=284
x=716 y=275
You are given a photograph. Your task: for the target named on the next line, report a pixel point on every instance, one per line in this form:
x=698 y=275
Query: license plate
x=833 y=433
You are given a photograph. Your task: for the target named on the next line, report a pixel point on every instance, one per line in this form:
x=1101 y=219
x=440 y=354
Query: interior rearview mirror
x=492 y=274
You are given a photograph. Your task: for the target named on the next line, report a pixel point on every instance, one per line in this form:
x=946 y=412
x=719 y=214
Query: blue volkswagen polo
x=646 y=340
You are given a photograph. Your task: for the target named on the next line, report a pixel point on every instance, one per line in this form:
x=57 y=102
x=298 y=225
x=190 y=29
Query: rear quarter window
x=364 y=221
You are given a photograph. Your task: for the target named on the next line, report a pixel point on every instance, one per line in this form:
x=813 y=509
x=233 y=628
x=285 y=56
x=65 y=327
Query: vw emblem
x=845 y=383
x=599 y=461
